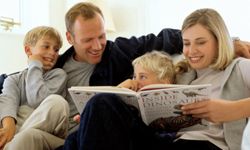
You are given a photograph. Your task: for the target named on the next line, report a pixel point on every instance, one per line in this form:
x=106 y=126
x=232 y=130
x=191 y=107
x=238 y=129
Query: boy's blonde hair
x=158 y=62
x=40 y=32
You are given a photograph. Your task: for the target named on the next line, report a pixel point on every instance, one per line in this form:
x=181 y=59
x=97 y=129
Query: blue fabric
x=108 y=123
x=2 y=77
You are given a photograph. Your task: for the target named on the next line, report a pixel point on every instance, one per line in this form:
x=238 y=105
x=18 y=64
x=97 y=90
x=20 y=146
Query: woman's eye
x=201 y=42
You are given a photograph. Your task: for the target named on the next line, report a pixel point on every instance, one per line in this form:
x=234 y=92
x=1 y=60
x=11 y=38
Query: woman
x=209 y=51
x=108 y=123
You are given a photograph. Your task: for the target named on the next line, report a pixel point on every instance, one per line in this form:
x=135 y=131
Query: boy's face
x=46 y=50
x=145 y=77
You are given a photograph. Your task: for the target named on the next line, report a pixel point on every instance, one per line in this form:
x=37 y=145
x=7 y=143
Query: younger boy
x=157 y=68
x=23 y=103
x=151 y=68
x=154 y=67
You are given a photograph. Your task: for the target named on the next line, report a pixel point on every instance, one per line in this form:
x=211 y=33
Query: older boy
x=23 y=103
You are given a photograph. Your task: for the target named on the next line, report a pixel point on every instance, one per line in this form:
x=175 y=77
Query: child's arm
x=7 y=131
x=10 y=99
x=39 y=85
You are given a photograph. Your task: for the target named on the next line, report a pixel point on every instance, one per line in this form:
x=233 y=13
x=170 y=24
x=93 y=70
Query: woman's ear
x=69 y=37
x=27 y=49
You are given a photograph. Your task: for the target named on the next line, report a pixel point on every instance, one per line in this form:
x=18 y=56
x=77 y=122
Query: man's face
x=89 y=39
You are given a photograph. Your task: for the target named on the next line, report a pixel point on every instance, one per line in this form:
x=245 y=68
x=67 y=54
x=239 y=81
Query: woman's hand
x=130 y=84
x=7 y=132
x=215 y=110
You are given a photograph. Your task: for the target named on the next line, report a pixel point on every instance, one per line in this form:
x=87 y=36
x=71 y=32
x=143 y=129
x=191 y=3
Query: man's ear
x=27 y=49
x=69 y=37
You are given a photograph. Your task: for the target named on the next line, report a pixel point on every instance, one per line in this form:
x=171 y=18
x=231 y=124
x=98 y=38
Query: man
x=92 y=60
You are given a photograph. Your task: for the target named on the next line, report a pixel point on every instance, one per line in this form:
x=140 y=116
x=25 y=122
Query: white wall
x=131 y=17
x=167 y=13
x=12 y=56
x=37 y=12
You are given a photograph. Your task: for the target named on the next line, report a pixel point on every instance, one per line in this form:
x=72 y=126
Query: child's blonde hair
x=158 y=62
x=40 y=32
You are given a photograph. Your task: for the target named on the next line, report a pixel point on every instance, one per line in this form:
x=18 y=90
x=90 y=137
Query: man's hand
x=7 y=132
x=242 y=48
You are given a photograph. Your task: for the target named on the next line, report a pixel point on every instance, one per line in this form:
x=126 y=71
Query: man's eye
x=56 y=49
x=45 y=46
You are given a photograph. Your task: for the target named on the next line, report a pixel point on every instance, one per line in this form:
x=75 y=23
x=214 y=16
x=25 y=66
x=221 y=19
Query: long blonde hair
x=212 y=21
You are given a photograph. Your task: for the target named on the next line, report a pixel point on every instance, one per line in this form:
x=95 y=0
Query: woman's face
x=199 y=46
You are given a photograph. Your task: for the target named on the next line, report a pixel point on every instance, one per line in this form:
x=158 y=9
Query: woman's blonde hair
x=158 y=62
x=84 y=9
x=40 y=32
x=213 y=22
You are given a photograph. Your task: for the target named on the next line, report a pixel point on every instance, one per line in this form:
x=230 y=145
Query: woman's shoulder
x=240 y=61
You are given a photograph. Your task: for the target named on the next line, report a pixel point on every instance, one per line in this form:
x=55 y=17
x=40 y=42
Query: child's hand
x=130 y=84
x=7 y=132
x=47 y=62
x=77 y=118
x=35 y=57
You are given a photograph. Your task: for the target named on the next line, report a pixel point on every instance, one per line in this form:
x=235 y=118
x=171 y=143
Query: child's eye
x=143 y=77
x=45 y=46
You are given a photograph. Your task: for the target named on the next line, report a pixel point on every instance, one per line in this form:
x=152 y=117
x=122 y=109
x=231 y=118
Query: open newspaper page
x=160 y=108
x=82 y=94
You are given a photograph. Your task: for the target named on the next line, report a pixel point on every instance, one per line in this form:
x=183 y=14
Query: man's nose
x=96 y=44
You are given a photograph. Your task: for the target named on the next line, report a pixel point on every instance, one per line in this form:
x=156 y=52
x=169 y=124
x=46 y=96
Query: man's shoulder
x=64 y=57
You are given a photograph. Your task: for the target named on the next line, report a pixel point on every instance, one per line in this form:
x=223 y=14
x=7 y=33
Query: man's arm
x=169 y=40
x=242 y=48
